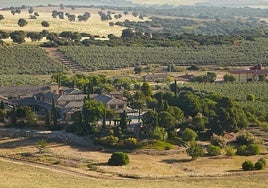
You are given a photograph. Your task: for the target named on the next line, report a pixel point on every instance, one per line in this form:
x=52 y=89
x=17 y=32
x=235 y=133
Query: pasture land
x=93 y=25
x=70 y=166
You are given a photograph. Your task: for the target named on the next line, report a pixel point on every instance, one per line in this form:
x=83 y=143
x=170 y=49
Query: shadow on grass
x=171 y=161
x=18 y=143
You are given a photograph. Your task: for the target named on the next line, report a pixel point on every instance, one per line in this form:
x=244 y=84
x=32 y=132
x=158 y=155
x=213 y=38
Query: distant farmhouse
x=254 y=73
x=67 y=100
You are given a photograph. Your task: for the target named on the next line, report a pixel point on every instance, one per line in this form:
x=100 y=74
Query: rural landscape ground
x=69 y=160
x=67 y=166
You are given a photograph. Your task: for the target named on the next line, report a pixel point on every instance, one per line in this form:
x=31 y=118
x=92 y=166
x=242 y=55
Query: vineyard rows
x=239 y=92
x=26 y=60
x=102 y=57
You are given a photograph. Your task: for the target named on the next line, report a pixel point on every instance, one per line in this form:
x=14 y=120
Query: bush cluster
x=249 y=165
x=114 y=142
x=251 y=149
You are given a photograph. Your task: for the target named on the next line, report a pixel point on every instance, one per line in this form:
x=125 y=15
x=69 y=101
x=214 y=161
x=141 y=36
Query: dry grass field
x=68 y=166
x=93 y=26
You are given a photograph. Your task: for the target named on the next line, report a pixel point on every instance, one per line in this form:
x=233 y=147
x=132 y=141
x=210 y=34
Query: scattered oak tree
x=22 y=22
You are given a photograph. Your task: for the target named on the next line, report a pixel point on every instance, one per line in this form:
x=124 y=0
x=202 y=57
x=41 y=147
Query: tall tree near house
x=104 y=119
x=48 y=118
x=54 y=114
x=2 y=105
x=92 y=111
x=146 y=89
x=123 y=121
x=110 y=115
x=150 y=122
x=13 y=115
x=3 y=114
x=175 y=88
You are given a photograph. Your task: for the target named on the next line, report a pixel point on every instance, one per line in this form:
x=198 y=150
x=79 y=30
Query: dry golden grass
x=93 y=26
x=20 y=175
x=67 y=167
x=144 y=164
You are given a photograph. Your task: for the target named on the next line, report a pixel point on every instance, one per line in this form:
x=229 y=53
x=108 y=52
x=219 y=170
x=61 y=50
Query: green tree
x=18 y=36
x=123 y=121
x=3 y=114
x=166 y=120
x=259 y=165
x=146 y=89
x=150 y=122
x=229 y=117
x=195 y=151
x=22 y=22
x=189 y=103
x=13 y=115
x=229 y=78
x=211 y=77
x=45 y=24
x=189 y=135
x=160 y=133
x=54 y=113
x=176 y=112
x=138 y=69
x=48 y=118
x=247 y=165
x=30 y=10
x=34 y=36
x=2 y=105
x=92 y=112
x=42 y=144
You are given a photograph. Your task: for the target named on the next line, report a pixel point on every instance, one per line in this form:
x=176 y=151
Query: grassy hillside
x=93 y=25
x=18 y=174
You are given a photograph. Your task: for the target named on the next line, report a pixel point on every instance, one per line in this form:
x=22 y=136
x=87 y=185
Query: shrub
x=118 y=159
x=193 y=67
x=195 y=151
x=109 y=141
x=247 y=165
x=189 y=135
x=130 y=143
x=213 y=150
x=252 y=149
x=218 y=141
x=263 y=161
x=245 y=138
x=229 y=151
x=259 y=165
x=160 y=133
